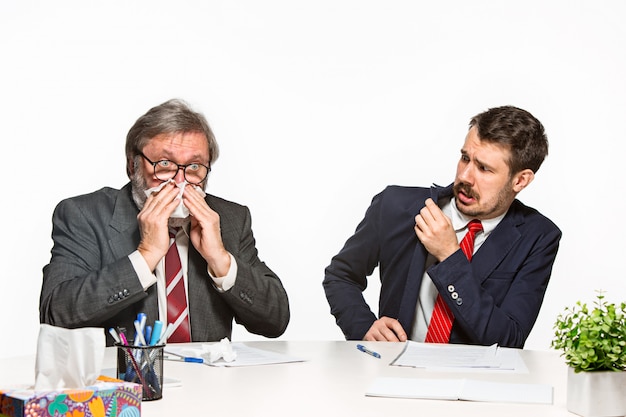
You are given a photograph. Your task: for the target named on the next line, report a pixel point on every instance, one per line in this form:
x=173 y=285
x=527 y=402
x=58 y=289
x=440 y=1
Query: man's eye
x=164 y=164
x=193 y=167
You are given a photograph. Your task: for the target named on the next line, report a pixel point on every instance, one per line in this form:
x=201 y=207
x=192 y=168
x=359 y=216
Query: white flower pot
x=596 y=394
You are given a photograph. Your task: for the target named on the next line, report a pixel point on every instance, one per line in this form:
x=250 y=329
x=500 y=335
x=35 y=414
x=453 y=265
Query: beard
x=500 y=204
x=139 y=188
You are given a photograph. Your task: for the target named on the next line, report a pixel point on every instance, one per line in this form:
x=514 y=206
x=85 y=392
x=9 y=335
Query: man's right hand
x=386 y=329
x=153 y=224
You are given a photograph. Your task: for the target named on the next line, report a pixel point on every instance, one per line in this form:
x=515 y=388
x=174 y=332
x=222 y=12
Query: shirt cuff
x=225 y=283
x=146 y=277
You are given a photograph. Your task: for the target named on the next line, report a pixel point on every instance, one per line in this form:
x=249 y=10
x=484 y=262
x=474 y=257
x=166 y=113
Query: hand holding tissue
x=181 y=212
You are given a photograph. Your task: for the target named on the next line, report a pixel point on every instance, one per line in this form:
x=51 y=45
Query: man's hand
x=205 y=232
x=386 y=329
x=153 y=224
x=435 y=231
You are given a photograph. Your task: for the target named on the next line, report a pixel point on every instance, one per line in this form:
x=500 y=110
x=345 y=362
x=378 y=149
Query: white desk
x=331 y=382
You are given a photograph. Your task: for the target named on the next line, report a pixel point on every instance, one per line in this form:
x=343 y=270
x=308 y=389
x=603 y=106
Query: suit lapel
x=498 y=244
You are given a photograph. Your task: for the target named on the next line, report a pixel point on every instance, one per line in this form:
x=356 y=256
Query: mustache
x=465 y=189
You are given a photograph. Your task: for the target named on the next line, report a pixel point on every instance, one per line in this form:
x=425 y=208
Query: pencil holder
x=142 y=365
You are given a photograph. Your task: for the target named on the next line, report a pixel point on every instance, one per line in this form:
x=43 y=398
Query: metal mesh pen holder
x=142 y=365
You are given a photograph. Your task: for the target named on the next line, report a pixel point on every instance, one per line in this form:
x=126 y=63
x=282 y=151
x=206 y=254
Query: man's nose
x=466 y=174
x=180 y=175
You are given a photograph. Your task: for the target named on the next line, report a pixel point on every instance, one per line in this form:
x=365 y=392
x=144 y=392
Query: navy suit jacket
x=90 y=281
x=499 y=293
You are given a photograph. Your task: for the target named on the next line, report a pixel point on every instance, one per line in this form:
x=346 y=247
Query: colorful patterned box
x=108 y=397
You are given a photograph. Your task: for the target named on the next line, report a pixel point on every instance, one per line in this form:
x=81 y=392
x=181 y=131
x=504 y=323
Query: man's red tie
x=177 y=310
x=441 y=321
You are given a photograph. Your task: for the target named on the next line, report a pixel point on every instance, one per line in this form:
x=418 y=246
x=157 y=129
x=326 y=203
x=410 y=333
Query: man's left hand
x=205 y=234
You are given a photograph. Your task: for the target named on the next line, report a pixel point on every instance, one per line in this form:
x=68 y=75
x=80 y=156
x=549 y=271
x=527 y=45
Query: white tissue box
x=107 y=397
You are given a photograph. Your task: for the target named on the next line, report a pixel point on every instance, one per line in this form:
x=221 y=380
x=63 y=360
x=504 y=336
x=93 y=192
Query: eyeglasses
x=165 y=170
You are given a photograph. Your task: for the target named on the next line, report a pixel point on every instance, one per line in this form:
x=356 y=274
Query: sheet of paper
x=459 y=357
x=246 y=355
x=461 y=389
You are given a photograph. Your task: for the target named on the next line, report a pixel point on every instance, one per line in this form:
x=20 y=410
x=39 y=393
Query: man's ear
x=522 y=179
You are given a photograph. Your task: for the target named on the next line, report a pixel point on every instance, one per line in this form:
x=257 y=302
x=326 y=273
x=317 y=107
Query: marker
x=141 y=318
x=148 y=333
x=115 y=336
x=139 y=341
x=369 y=352
x=157 y=329
x=123 y=339
x=168 y=332
x=184 y=359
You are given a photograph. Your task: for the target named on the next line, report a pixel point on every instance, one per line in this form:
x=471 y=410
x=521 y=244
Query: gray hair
x=173 y=116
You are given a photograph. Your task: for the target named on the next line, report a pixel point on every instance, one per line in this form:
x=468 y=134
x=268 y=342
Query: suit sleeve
x=258 y=300
x=346 y=277
x=82 y=284
x=503 y=307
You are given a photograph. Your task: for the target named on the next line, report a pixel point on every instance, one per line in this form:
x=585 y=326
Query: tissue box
x=108 y=397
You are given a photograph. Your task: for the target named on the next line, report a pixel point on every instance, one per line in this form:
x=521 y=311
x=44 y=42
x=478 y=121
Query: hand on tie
x=442 y=317
x=434 y=229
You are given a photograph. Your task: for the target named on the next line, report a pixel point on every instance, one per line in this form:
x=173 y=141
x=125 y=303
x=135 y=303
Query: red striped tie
x=177 y=311
x=441 y=321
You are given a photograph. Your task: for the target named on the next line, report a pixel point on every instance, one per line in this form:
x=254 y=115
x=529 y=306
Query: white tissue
x=222 y=350
x=68 y=358
x=181 y=211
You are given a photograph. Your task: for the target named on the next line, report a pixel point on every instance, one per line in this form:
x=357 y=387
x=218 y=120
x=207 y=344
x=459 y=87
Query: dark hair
x=516 y=129
x=173 y=116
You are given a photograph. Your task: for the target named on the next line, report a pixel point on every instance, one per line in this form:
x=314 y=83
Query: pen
x=369 y=352
x=184 y=359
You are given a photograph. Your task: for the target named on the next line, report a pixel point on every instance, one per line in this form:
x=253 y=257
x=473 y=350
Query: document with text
x=469 y=358
x=244 y=355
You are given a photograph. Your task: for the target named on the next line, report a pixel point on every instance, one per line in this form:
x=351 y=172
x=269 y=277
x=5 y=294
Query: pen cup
x=142 y=365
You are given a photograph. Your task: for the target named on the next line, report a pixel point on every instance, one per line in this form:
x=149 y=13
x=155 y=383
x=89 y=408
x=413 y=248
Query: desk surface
x=330 y=382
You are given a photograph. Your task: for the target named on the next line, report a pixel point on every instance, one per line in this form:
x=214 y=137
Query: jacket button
x=450 y=288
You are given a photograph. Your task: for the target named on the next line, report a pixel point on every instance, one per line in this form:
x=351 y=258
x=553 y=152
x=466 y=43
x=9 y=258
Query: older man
x=160 y=246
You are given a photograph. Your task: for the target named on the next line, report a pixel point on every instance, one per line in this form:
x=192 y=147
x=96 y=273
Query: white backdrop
x=317 y=106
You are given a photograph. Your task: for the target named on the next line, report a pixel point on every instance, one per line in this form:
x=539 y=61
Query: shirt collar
x=459 y=220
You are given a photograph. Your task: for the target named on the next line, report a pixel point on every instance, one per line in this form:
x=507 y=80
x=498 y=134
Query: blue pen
x=185 y=359
x=157 y=329
x=369 y=352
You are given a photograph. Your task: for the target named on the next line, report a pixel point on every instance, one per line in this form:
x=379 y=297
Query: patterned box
x=108 y=397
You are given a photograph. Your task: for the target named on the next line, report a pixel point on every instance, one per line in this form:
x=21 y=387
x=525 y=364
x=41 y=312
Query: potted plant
x=593 y=342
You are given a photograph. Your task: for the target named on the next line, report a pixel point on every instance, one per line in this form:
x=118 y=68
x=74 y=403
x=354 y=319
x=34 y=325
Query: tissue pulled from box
x=222 y=350
x=181 y=211
x=209 y=352
x=68 y=358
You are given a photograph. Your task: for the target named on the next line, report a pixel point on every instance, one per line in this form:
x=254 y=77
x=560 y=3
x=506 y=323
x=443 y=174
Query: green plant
x=592 y=339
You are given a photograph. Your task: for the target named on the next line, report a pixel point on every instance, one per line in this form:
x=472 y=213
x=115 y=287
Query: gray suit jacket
x=90 y=281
